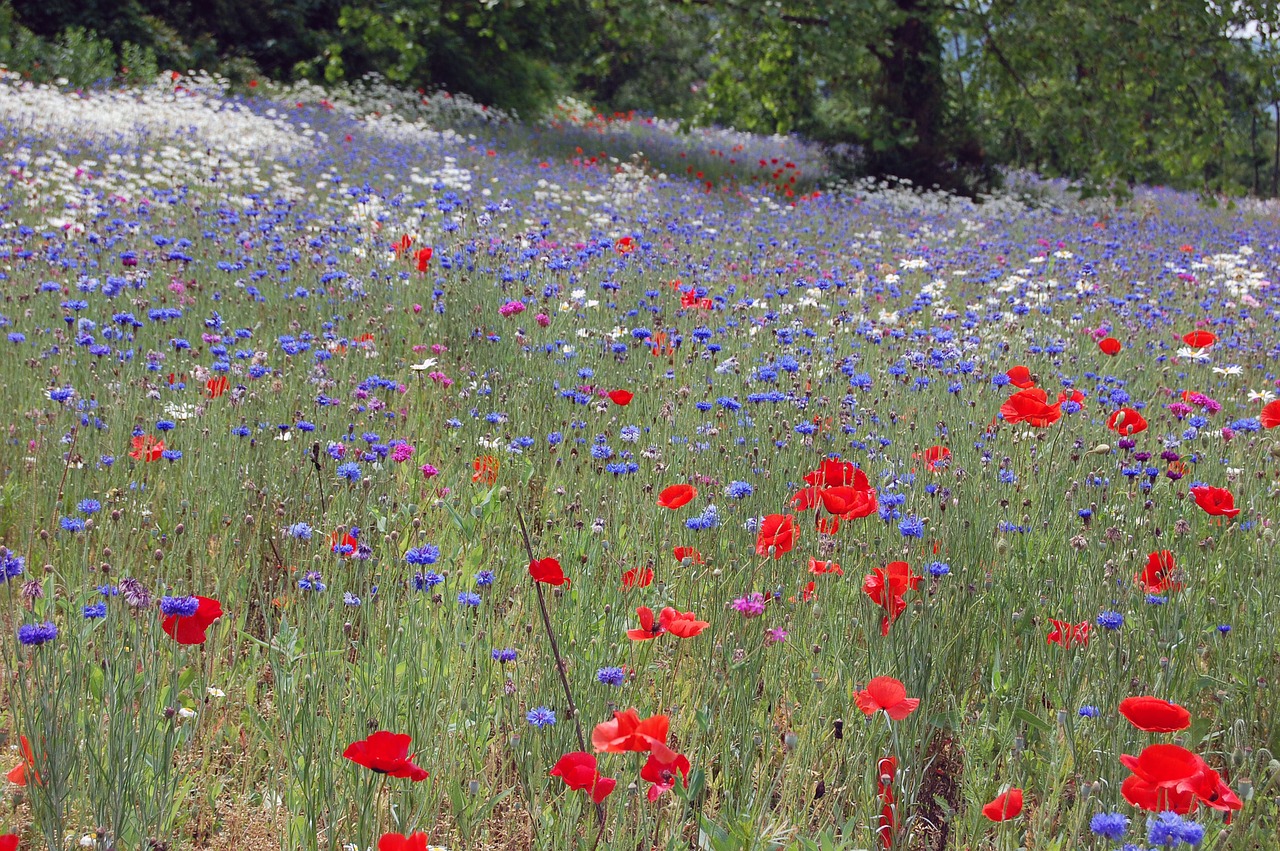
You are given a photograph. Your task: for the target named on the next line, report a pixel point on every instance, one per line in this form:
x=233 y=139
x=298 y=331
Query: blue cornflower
x=349 y=599
x=504 y=654
x=540 y=717
x=166 y=425
x=171 y=455
x=312 y=581
x=1156 y=600
x=1168 y=829
x=1109 y=825
x=71 y=524
x=426 y=554
x=1224 y=628
x=911 y=527
x=939 y=568
x=11 y=566
x=301 y=531
x=426 y=581
x=738 y=490
x=183 y=607
x=349 y=471
x=1088 y=712
x=555 y=438
x=611 y=676
x=95 y=610
x=484 y=578
x=88 y=506
x=469 y=598
x=1110 y=620
x=35 y=634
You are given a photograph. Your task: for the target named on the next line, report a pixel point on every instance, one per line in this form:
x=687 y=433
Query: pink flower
x=511 y=308
x=428 y=471
x=401 y=453
x=542 y=319
x=417 y=308
x=437 y=348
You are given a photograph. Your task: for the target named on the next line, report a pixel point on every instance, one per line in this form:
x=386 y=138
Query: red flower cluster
x=1169 y=777
x=840 y=488
x=679 y=624
x=887 y=587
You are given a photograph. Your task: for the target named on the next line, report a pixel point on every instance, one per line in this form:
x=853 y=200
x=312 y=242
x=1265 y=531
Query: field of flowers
x=379 y=472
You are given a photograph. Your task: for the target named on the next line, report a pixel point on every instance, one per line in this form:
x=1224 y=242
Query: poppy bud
x=179 y=529
x=106 y=552
x=158 y=555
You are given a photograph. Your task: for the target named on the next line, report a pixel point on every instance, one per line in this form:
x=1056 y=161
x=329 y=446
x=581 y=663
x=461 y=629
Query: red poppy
x=621 y=398
x=834 y=473
x=1154 y=714
x=402 y=244
x=662 y=773
x=146 y=448
x=400 y=842
x=648 y=629
x=1200 y=339
x=1031 y=407
x=215 y=387
x=486 y=470
x=1064 y=633
x=343 y=543
x=1156 y=577
x=547 y=571
x=1005 y=806
x=676 y=496
x=888 y=694
x=580 y=771
x=1074 y=396
x=1110 y=346
x=1270 y=415
x=1021 y=378
x=1126 y=421
x=887 y=768
x=192 y=628
x=936 y=458
x=627 y=733
x=24 y=770
x=637 y=578
x=1216 y=502
x=9 y=842
x=849 y=503
x=680 y=624
x=820 y=567
x=386 y=753
x=423 y=258
x=887 y=587
x=682 y=553
x=777 y=535
x=1169 y=777
x=625 y=245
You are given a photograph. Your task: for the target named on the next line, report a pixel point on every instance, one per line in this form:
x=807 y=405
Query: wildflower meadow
x=382 y=472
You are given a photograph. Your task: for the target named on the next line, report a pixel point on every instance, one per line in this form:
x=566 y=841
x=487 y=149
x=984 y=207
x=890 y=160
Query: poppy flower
x=1005 y=806
x=1270 y=416
x=1154 y=714
x=805 y=499
x=637 y=578
x=662 y=773
x=1216 y=502
x=1021 y=378
x=9 y=842
x=402 y=244
x=400 y=842
x=1031 y=407
x=777 y=535
x=1072 y=396
x=834 y=473
x=887 y=586
x=146 y=448
x=621 y=398
x=580 y=772
x=820 y=567
x=192 y=629
x=936 y=458
x=344 y=543
x=1064 y=633
x=1169 y=777
x=422 y=257
x=680 y=624
x=1200 y=339
x=215 y=387
x=886 y=769
x=486 y=470
x=677 y=495
x=1126 y=421
x=648 y=629
x=849 y=503
x=627 y=733
x=1110 y=346
x=547 y=571
x=24 y=770
x=625 y=245
x=682 y=553
x=386 y=753
x=1156 y=576
x=888 y=694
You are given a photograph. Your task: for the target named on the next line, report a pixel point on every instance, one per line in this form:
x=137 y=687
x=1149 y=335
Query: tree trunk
x=915 y=137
